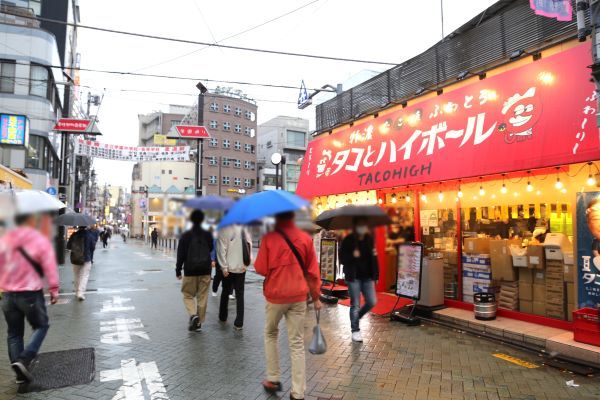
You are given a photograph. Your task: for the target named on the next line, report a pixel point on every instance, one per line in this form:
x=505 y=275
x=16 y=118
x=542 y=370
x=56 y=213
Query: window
x=238 y=128
x=238 y=111
x=226 y=162
x=237 y=182
x=247 y=131
x=269 y=144
x=214 y=124
x=247 y=147
x=292 y=172
x=226 y=180
x=7 y=76
x=291 y=186
x=248 y=182
x=214 y=142
x=175 y=122
x=237 y=163
x=237 y=145
x=212 y=160
x=248 y=115
x=214 y=107
x=226 y=108
x=247 y=165
x=36 y=6
x=296 y=138
x=36 y=153
x=226 y=126
x=170 y=172
x=226 y=143
x=38 y=84
x=212 y=180
x=162 y=172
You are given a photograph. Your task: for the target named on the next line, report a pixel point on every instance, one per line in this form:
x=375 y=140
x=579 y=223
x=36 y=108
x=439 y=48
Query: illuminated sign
x=14 y=129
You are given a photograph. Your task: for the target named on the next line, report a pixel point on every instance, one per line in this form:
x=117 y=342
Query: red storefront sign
x=539 y=115
x=72 y=125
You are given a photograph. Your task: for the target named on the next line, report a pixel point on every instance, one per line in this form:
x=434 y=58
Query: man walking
x=193 y=256
x=154 y=237
x=81 y=243
x=234 y=249
x=288 y=260
x=26 y=259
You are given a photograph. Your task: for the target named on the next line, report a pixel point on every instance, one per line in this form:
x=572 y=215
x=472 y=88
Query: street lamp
x=199 y=142
x=278 y=159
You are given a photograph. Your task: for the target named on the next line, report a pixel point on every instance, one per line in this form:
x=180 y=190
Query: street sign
x=72 y=125
x=304 y=99
x=193 y=131
x=52 y=191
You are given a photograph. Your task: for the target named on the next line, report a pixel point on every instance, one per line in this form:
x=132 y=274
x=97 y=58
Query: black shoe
x=193 y=323
x=198 y=328
x=21 y=368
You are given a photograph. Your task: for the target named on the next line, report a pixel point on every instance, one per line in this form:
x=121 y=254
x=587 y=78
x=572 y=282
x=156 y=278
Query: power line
x=231 y=36
x=188 y=41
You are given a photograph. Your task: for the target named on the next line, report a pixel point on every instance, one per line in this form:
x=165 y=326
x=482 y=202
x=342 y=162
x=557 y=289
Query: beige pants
x=294 y=320
x=195 y=294
x=81 y=274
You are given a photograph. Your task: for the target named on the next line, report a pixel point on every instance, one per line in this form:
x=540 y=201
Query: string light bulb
x=407 y=198
x=558 y=185
x=481 y=191
x=503 y=189
x=380 y=200
x=424 y=197
x=441 y=196
x=529 y=187
x=394 y=199
x=460 y=193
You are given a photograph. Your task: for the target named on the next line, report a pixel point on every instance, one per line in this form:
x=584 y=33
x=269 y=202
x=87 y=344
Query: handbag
x=246 y=258
x=318 y=345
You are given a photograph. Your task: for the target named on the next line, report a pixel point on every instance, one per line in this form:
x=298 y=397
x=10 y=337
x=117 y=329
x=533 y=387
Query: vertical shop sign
x=588 y=249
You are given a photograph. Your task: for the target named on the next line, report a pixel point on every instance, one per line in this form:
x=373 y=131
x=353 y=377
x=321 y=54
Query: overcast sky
x=379 y=30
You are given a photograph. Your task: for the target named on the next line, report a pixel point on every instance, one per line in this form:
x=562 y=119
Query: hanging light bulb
x=558 y=184
x=460 y=193
x=493 y=196
x=503 y=189
x=441 y=196
x=563 y=190
x=424 y=197
x=538 y=192
x=529 y=187
x=407 y=198
x=380 y=200
x=394 y=199
x=481 y=191
x=591 y=181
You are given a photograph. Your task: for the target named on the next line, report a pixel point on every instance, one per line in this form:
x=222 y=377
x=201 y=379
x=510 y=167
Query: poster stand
x=408 y=281
x=327 y=264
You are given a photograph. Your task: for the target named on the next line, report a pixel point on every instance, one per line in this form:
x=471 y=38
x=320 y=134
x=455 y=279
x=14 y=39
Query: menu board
x=328 y=258
x=13 y=129
x=410 y=261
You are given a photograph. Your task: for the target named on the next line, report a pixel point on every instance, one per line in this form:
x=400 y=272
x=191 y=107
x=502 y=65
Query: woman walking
x=358 y=256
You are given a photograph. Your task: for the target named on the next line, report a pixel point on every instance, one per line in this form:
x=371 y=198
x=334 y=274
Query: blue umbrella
x=260 y=205
x=209 y=202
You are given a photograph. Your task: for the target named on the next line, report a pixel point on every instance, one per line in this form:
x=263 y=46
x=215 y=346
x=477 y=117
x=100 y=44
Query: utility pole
x=199 y=181
x=63 y=181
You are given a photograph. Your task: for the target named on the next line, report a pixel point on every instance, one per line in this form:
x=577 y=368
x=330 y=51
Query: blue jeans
x=355 y=288
x=18 y=306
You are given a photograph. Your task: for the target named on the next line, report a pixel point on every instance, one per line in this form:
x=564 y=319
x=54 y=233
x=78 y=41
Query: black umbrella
x=345 y=217
x=75 y=219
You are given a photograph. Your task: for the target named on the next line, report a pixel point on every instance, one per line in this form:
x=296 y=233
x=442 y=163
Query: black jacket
x=351 y=264
x=183 y=247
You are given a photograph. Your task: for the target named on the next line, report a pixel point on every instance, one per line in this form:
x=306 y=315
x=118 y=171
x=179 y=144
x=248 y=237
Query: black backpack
x=78 y=250
x=198 y=260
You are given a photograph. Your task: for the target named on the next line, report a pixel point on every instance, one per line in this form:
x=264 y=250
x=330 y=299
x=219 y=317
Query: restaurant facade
x=495 y=172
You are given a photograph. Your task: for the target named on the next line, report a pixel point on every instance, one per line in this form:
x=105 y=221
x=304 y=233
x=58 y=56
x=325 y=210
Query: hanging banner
x=92 y=148
x=588 y=249
x=539 y=115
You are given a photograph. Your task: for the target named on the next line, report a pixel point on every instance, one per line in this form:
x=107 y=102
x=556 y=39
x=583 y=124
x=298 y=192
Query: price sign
x=410 y=263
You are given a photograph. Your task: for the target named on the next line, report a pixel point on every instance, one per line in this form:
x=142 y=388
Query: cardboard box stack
x=526 y=291
x=538 y=306
x=509 y=295
x=555 y=289
x=569 y=277
x=477 y=275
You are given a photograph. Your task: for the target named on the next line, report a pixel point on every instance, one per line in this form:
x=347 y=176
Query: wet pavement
x=135 y=319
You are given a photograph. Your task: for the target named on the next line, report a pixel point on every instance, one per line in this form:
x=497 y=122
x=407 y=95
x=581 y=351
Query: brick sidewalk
x=139 y=309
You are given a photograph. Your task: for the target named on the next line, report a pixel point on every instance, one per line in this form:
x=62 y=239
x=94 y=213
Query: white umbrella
x=35 y=201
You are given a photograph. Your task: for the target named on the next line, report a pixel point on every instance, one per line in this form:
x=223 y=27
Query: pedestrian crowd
x=286 y=259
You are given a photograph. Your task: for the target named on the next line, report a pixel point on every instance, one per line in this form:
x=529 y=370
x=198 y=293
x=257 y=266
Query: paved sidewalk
x=135 y=319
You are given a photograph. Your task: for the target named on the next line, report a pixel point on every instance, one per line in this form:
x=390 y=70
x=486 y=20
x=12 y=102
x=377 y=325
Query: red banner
x=540 y=115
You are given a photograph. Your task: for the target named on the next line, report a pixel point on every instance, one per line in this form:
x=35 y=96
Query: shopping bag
x=318 y=344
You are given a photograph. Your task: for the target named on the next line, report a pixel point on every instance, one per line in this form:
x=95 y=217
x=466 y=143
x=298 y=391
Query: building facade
x=288 y=136
x=32 y=54
x=230 y=155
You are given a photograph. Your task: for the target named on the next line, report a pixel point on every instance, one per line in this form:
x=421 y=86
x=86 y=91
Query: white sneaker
x=357 y=337
x=214 y=294
x=231 y=297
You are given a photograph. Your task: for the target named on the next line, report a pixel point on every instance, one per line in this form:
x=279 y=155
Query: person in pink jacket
x=27 y=259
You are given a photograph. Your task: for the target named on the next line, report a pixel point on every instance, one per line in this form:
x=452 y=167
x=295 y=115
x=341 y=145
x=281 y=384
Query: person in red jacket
x=286 y=290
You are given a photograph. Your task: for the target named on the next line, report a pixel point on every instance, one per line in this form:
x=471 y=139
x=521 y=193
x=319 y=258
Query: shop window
x=7 y=76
